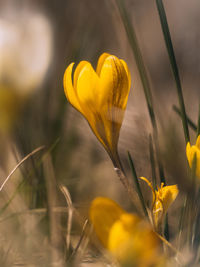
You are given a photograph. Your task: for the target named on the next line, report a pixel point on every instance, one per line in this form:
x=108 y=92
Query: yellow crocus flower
x=101 y=96
x=191 y=151
x=163 y=197
x=129 y=238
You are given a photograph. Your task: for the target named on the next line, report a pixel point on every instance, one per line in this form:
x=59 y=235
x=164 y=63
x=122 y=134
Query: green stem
x=118 y=167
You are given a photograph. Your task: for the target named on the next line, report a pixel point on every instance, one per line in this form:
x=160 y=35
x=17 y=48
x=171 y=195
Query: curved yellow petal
x=151 y=187
x=147 y=181
x=101 y=62
x=69 y=89
x=77 y=72
x=87 y=85
x=133 y=242
x=121 y=230
x=191 y=151
x=103 y=214
x=195 y=151
x=168 y=194
x=114 y=84
x=198 y=142
x=113 y=96
x=127 y=71
x=188 y=153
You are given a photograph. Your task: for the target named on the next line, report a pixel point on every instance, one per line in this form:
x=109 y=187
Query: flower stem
x=124 y=180
x=126 y=185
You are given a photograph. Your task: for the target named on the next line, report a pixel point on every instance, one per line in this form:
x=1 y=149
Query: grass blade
x=152 y=160
x=168 y=42
x=144 y=78
x=190 y=122
x=166 y=228
x=138 y=189
x=138 y=58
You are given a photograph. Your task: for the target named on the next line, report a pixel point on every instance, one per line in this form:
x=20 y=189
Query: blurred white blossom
x=26 y=49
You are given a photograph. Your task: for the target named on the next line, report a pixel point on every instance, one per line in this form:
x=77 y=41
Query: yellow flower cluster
x=130 y=239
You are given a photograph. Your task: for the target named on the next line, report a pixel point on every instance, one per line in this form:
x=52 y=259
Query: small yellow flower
x=191 y=151
x=163 y=197
x=130 y=239
x=101 y=96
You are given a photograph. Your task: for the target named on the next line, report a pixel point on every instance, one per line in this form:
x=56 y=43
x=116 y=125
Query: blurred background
x=38 y=40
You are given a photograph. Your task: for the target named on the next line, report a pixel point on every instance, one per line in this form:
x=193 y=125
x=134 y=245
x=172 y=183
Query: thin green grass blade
x=166 y=228
x=152 y=160
x=192 y=125
x=170 y=49
x=137 y=185
x=138 y=58
x=143 y=75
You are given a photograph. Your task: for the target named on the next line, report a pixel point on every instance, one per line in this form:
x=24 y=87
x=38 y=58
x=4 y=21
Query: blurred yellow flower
x=101 y=96
x=163 y=197
x=130 y=239
x=191 y=151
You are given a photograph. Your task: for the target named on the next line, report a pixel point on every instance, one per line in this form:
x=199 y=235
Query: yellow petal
x=167 y=194
x=103 y=214
x=77 y=72
x=101 y=62
x=127 y=71
x=150 y=185
x=133 y=243
x=188 y=153
x=198 y=142
x=114 y=84
x=121 y=231
x=158 y=212
x=191 y=151
x=147 y=181
x=87 y=87
x=69 y=89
